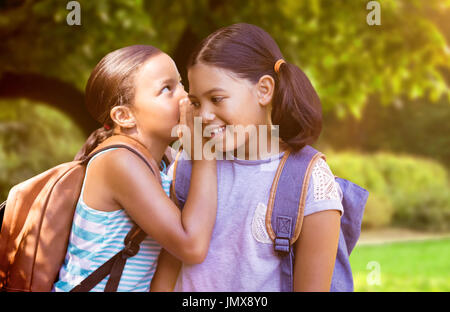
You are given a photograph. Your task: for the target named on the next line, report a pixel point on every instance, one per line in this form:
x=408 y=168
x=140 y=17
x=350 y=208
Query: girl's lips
x=216 y=130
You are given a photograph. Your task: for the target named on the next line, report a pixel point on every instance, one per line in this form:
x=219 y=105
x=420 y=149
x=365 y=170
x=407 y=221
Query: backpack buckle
x=282 y=245
x=283 y=234
x=130 y=250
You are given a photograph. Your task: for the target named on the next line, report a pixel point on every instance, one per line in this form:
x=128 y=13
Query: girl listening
x=238 y=77
x=136 y=91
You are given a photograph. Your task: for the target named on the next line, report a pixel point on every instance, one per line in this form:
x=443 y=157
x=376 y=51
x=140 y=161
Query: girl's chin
x=228 y=147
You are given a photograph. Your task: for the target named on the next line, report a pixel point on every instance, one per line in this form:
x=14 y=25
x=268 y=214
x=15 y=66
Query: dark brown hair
x=250 y=52
x=110 y=84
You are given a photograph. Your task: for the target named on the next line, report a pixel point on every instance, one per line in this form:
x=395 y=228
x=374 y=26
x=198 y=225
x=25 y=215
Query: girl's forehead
x=159 y=67
x=203 y=77
x=160 y=64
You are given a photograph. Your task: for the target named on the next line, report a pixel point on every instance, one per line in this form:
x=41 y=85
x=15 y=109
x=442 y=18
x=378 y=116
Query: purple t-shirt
x=241 y=255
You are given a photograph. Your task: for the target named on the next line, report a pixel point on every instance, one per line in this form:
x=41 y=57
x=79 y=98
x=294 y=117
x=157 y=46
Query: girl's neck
x=267 y=145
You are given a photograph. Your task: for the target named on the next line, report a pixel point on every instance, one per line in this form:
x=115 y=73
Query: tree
x=346 y=59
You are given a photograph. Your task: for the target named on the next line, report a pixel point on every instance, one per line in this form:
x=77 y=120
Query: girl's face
x=158 y=91
x=223 y=99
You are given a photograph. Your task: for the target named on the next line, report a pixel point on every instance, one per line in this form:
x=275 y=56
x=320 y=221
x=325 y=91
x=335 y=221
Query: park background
x=384 y=90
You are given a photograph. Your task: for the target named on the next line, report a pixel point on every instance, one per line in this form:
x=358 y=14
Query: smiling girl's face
x=223 y=99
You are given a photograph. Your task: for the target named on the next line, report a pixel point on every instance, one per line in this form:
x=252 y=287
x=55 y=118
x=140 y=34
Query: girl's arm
x=315 y=251
x=185 y=234
x=166 y=273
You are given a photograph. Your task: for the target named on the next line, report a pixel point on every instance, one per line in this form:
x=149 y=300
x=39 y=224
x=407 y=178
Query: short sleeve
x=324 y=193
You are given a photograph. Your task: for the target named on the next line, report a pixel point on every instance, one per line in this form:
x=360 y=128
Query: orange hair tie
x=278 y=64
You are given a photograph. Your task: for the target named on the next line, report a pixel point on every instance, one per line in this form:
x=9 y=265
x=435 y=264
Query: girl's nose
x=207 y=116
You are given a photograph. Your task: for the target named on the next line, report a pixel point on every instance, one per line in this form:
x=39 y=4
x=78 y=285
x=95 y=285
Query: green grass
x=405 y=266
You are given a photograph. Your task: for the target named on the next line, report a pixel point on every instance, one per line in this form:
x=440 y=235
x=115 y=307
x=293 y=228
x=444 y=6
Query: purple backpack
x=285 y=209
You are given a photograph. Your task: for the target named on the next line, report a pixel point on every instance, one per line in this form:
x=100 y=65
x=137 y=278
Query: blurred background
x=384 y=90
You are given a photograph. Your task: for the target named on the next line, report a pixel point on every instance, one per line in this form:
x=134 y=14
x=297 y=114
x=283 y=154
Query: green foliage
x=378 y=212
x=417 y=189
x=37 y=38
x=33 y=138
x=346 y=59
x=413 y=127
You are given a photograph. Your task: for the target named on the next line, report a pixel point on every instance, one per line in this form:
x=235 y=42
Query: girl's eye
x=195 y=104
x=165 y=89
x=216 y=99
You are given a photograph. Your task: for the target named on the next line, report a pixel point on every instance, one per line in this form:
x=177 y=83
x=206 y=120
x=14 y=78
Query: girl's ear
x=123 y=116
x=265 y=89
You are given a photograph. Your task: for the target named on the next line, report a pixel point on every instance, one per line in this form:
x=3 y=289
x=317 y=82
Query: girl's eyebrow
x=214 y=90
x=207 y=92
x=167 y=81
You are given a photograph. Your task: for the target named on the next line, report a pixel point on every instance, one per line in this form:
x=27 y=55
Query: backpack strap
x=2 y=213
x=284 y=217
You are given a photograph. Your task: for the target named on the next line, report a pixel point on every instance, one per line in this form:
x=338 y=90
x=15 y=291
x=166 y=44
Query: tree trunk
x=189 y=40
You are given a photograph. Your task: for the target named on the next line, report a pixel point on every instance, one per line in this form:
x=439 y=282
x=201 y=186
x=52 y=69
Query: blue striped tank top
x=96 y=236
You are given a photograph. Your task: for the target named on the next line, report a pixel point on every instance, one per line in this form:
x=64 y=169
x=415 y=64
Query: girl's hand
x=186 y=127
x=190 y=131
x=186 y=112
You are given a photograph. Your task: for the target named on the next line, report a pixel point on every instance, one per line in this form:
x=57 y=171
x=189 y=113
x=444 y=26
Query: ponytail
x=296 y=107
x=96 y=137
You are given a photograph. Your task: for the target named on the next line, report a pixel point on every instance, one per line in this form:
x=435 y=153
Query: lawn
x=405 y=266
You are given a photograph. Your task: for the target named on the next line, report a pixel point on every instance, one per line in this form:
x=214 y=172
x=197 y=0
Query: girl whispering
x=136 y=92
x=238 y=76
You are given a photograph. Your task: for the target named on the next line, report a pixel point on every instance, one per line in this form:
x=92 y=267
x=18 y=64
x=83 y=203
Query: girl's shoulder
x=119 y=176
x=116 y=159
x=119 y=166
x=104 y=175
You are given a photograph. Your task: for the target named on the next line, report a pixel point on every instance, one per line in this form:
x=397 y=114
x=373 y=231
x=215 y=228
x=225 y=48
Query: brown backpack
x=38 y=220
